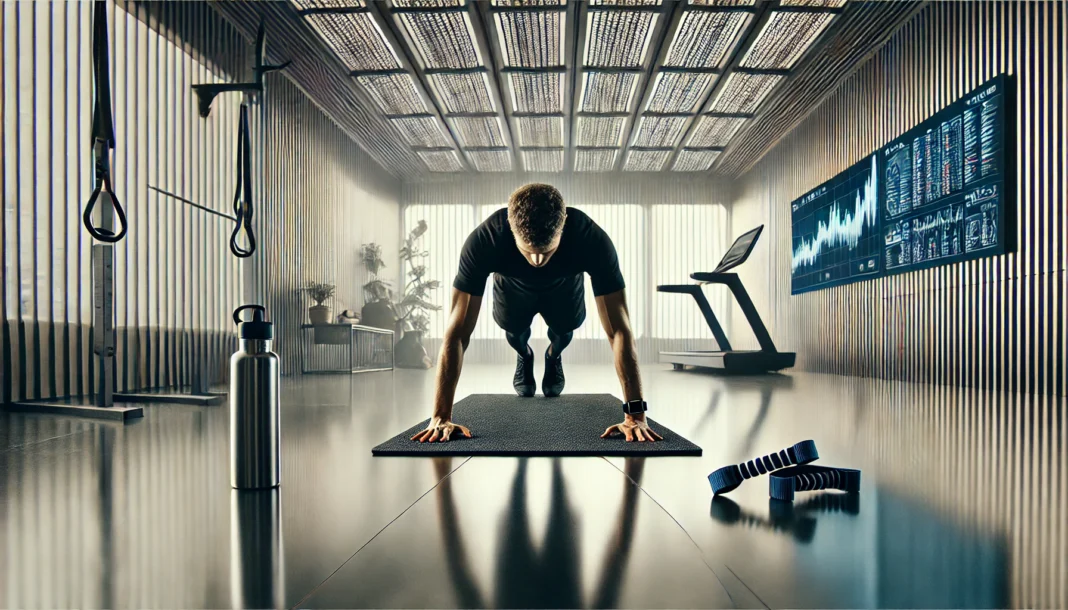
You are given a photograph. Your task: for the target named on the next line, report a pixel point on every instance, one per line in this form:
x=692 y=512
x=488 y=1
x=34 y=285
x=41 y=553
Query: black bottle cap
x=257 y=328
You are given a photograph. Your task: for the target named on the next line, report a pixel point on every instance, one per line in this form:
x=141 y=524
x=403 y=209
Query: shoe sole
x=525 y=391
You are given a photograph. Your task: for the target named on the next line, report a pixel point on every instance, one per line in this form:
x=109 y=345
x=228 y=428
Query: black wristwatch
x=635 y=407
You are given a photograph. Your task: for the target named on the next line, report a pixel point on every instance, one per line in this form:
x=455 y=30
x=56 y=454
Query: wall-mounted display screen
x=933 y=196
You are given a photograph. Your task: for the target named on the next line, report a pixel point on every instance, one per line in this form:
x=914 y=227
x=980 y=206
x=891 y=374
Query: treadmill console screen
x=739 y=250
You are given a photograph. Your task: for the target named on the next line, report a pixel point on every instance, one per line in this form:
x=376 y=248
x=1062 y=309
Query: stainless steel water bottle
x=255 y=440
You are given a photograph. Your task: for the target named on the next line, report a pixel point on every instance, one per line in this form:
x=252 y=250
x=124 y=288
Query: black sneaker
x=523 y=380
x=552 y=383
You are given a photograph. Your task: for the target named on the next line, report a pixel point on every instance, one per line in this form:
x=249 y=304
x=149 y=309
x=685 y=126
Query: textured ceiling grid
x=704 y=38
x=681 y=104
x=607 y=92
x=618 y=38
x=743 y=92
x=394 y=93
x=600 y=131
x=695 y=160
x=715 y=131
x=543 y=160
x=646 y=160
x=785 y=38
x=442 y=160
x=356 y=40
x=679 y=91
x=315 y=4
x=537 y=93
x=595 y=160
x=443 y=38
x=659 y=131
x=463 y=92
x=540 y=131
x=423 y=131
x=490 y=160
x=531 y=39
x=478 y=131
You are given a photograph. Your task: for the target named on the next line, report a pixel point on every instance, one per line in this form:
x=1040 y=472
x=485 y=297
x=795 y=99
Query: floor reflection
x=527 y=577
x=798 y=519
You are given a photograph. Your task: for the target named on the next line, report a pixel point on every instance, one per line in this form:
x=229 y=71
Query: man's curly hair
x=537 y=212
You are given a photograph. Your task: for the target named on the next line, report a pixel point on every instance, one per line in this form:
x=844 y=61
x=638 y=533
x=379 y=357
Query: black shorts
x=562 y=306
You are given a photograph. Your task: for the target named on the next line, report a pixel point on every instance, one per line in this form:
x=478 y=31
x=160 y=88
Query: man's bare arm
x=615 y=319
x=462 y=318
x=612 y=309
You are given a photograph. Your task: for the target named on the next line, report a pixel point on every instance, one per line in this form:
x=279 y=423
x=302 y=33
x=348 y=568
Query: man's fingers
x=654 y=433
x=638 y=433
x=628 y=432
x=466 y=432
x=445 y=434
x=421 y=436
x=434 y=436
x=608 y=431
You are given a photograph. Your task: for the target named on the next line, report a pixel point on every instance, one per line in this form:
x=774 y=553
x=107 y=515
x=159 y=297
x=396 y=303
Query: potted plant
x=320 y=293
x=414 y=305
x=377 y=311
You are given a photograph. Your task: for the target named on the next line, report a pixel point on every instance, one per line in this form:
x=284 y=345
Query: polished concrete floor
x=963 y=505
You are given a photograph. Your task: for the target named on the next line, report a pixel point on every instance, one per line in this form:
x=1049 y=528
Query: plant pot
x=409 y=352
x=377 y=314
x=319 y=314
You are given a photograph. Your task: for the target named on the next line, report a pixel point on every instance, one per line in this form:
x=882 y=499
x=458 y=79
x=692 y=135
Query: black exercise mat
x=568 y=425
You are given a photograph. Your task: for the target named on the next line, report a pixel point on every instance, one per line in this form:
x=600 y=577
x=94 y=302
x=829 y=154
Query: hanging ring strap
x=103 y=132
x=243 y=194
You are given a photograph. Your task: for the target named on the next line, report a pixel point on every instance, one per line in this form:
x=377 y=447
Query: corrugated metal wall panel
x=664 y=228
x=995 y=323
x=175 y=280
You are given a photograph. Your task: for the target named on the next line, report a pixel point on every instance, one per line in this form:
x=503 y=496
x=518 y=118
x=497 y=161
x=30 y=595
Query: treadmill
x=765 y=360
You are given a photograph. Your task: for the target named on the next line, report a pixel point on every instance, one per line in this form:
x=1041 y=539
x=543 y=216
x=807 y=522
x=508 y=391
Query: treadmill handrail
x=698 y=295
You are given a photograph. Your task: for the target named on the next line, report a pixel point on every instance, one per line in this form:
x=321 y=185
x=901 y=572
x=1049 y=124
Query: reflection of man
x=549 y=579
x=538 y=250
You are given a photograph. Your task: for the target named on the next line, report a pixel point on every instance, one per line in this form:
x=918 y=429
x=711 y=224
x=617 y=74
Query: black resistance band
x=103 y=131
x=784 y=483
x=243 y=195
x=728 y=478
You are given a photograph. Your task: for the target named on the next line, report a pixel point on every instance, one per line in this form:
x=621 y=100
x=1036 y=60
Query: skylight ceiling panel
x=660 y=132
x=785 y=38
x=314 y=4
x=543 y=160
x=537 y=93
x=394 y=93
x=422 y=131
x=623 y=3
x=427 y=3
x=722 y=2
x=442 y=160
x=356 y=39
x=463 y=92
x=695 y=160
x=479 y=132
x=646 y=160
x=705 y=38
x=679 y=91
x=529 y=2
x=600 y=131
x=490 y=160
x=607 y=92
x=618 y=38
x=541 y=131
x=531 y=39
x=743 y=93
x=443 y=39
x=715 y=131
x=820 y=3
x=595 y=160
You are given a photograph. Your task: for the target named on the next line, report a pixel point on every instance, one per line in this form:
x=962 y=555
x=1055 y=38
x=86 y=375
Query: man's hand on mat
x=633 y=428
x=440 y=430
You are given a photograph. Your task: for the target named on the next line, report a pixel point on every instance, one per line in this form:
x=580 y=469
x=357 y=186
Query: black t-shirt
x=584 y=248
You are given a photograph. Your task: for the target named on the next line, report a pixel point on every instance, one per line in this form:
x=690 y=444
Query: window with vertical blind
x=447 y=228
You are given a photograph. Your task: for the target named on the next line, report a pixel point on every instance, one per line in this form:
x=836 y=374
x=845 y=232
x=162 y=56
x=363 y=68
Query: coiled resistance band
x=728 y=478
x=243 y=194
x=103 y=132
